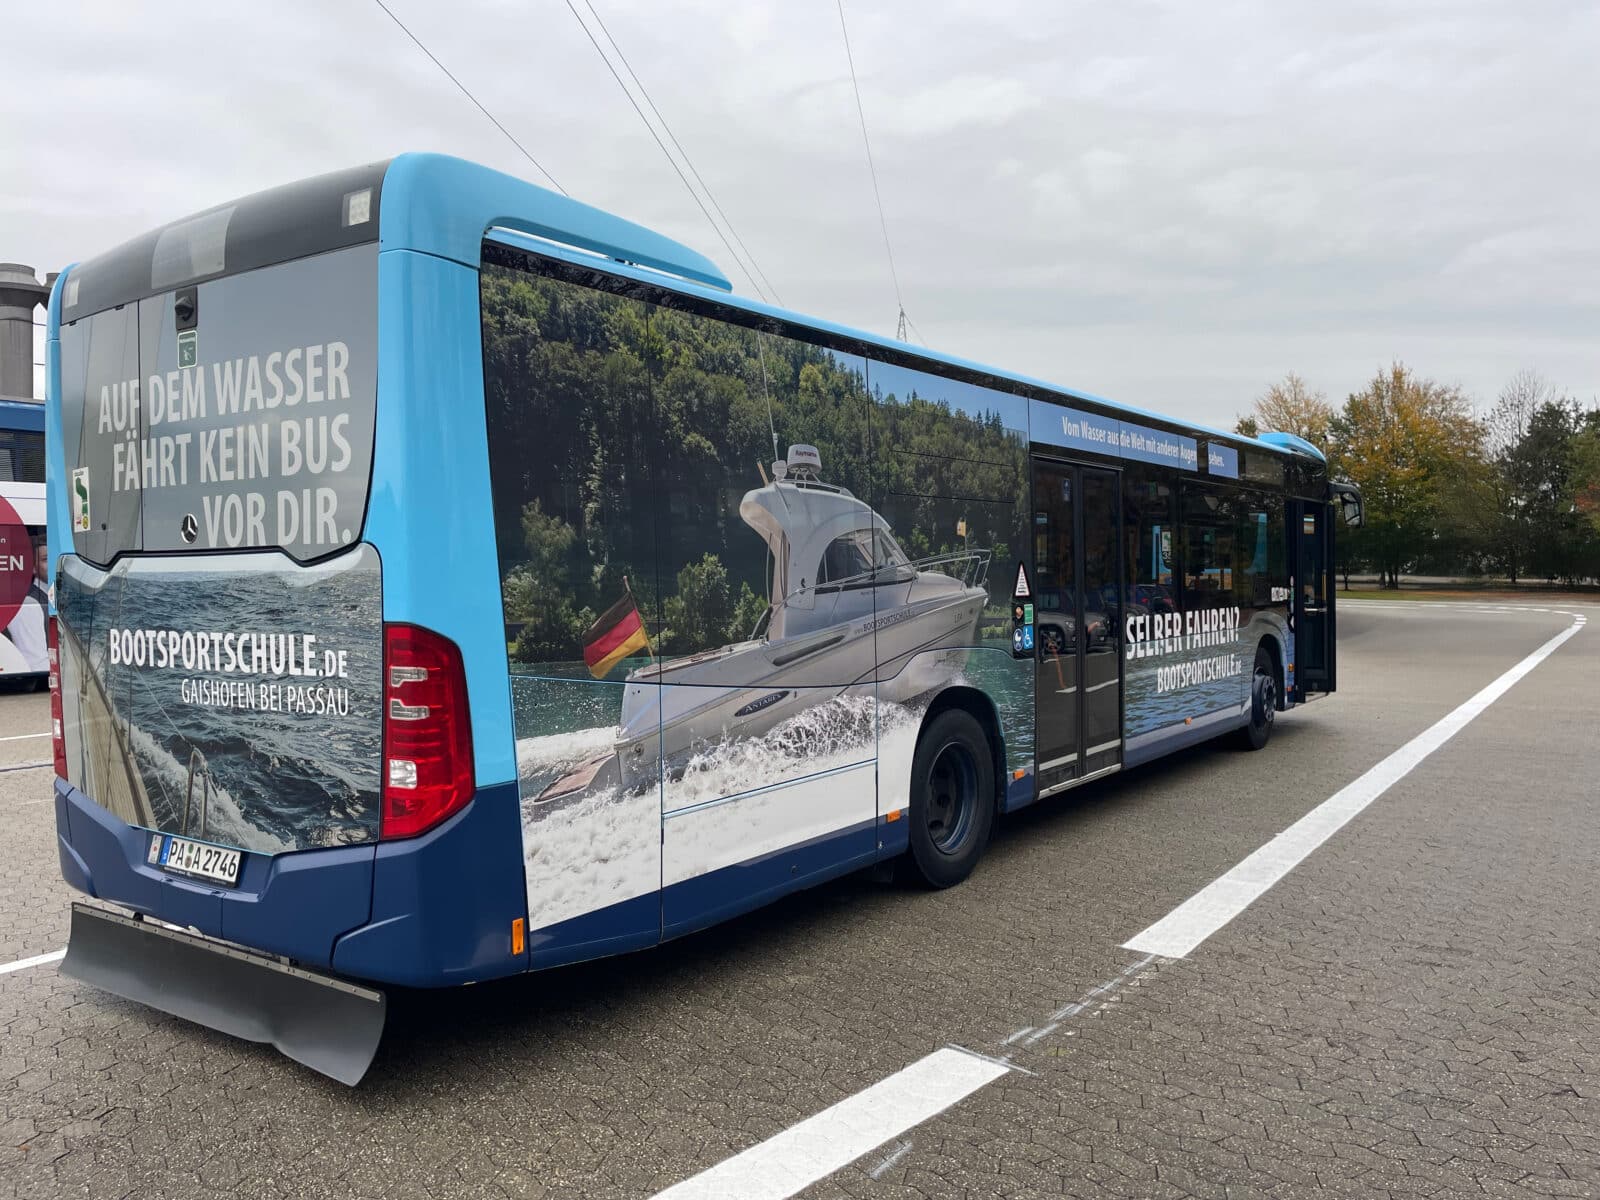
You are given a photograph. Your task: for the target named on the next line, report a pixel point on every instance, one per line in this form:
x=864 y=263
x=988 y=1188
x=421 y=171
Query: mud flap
x=329 y=1024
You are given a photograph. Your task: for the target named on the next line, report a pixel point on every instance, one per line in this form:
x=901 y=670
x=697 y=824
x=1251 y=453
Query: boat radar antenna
x=804 y=462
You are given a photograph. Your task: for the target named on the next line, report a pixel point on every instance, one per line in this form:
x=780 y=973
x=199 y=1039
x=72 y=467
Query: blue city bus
x=453 y=580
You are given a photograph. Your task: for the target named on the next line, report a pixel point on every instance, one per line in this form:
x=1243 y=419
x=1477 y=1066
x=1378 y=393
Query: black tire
x=952 y=798
x=1263 y=702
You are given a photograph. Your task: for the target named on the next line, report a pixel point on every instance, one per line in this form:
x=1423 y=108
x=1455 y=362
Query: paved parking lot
x=1413 y=1011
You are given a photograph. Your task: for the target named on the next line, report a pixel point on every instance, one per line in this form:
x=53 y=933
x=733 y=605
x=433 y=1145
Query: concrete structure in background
x=20 y=294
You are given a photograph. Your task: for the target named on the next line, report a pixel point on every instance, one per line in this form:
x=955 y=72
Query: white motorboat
x=847 y=611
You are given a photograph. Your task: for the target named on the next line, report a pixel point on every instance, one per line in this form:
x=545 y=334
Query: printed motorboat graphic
x=848 y=612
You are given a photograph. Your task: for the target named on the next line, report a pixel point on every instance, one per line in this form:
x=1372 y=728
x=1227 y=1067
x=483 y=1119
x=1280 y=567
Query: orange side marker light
x=893 y=814
x=518 y=938
x=1019 y=773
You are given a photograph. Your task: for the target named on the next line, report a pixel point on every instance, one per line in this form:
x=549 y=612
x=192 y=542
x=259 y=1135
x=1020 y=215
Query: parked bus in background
x=454 y=580
x=24 y=561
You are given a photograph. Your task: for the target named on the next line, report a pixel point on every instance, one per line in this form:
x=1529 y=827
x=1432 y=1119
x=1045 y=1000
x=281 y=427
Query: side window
x=1151 y=553
x=1210 y=547
x=846 y=557
x=1263 y=466
x=572 y=450
x=101 y=415
x=886 y=553
x=21 y=456
x=1261 y=551
x=638 y=514
x=952 y=478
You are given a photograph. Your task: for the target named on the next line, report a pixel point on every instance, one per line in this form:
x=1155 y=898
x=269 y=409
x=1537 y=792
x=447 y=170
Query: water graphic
x=276 y=779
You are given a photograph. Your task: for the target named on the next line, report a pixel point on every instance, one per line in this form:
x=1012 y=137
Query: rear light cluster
x=58 y=741
x=427 y=734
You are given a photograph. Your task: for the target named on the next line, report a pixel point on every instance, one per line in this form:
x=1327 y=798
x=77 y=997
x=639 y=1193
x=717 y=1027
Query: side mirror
x=1348 y=497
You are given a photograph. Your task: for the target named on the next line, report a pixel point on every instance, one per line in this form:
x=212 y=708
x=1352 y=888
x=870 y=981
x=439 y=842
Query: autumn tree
x=1403 y=439
x=1290 y=406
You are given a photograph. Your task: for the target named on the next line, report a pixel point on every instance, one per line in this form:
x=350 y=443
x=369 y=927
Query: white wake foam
x=225 y=820
x=605 y=846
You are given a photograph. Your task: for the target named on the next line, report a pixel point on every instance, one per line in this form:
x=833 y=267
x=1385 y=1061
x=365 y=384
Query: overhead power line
x=678 y=146
x=751 y=271
x=468 y=94
x=883 y=222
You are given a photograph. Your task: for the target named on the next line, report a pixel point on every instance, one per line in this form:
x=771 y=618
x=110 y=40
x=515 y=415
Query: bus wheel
x=1263 y=702
x=952 y=798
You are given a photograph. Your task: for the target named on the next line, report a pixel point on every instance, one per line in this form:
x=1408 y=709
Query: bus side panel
x=430 y=516
x=950 y=474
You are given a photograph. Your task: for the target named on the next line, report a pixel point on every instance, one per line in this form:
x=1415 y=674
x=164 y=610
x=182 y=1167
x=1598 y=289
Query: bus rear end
x=263 y=764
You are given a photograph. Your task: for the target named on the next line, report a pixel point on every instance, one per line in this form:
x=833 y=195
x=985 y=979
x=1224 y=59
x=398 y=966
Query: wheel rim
x=952 y=798
x=1266 y=698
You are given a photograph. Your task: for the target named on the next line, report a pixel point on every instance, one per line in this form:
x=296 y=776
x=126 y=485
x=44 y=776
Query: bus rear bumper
x=430 y=911
x=296 y=905
x=331 y=1025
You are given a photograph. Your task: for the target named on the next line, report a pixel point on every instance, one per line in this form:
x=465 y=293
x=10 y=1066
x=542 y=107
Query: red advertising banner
x=23 y=598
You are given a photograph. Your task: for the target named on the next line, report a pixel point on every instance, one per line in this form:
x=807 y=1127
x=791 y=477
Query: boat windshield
x=862 y=558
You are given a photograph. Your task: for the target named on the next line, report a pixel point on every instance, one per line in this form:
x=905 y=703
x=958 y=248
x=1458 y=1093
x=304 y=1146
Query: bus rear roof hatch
x=1294 y=444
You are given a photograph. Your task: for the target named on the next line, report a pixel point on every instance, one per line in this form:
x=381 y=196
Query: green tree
x=747 y=613
x=1402 y=438
x=538 y=593
x=1542 y=463
x=702 y=611
x=1586 y=470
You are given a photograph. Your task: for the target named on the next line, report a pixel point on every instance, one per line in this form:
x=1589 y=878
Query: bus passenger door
x=1313 y=597
x=1077 y=605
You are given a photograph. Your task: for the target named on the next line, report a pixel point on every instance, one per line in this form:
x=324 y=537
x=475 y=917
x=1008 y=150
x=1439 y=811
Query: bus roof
x=445 y=206
x=25 y=415
x=442 y=205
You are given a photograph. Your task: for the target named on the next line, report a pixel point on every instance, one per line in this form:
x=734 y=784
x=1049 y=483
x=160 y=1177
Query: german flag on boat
x=617 y=633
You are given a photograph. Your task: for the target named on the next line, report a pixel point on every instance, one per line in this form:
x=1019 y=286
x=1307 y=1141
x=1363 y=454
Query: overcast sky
x=1167 y=204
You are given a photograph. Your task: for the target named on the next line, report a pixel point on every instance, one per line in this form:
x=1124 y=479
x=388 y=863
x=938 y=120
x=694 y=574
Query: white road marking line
x=1220 y=901
x=22 y=737
x=998 y=1060
x=791 y=1161
x=38 y=960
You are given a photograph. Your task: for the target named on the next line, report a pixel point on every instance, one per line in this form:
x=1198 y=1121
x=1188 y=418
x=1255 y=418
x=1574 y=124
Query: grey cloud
x=1168 y=204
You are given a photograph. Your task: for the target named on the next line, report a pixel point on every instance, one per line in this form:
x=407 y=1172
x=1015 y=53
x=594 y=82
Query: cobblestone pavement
x=1414 y=1010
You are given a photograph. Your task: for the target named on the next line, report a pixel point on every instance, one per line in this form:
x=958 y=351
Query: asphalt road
x=1413 y=1010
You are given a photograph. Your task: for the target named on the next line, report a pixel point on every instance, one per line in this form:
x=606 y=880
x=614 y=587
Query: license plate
x=200 y=860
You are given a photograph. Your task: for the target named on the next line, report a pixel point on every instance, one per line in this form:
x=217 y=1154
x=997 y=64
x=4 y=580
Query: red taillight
x=427 y=736
x=58 y=741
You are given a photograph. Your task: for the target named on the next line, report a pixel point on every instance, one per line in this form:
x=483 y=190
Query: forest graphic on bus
x=704 y=496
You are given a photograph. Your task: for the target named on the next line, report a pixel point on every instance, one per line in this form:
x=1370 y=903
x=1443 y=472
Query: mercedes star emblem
x=189 y=527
